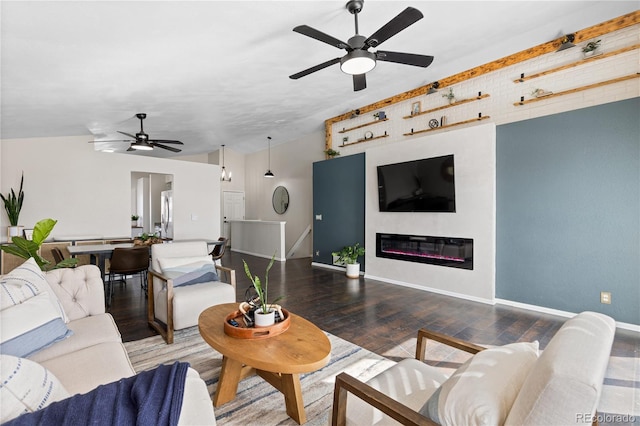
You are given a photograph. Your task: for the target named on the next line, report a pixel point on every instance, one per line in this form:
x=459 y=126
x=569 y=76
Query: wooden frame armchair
x=165 y=298
x=347 y=384
x=548 y=388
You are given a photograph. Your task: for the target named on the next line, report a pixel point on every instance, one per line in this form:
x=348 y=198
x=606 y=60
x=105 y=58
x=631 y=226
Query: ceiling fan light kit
x=358 y=60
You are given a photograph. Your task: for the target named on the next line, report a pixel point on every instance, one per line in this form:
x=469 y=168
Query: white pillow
x=482 y=390
x=26 y=387
x=31 y=326
x=24 y=282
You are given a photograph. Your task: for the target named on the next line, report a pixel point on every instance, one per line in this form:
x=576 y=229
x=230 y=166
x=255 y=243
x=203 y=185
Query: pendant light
x=224 y=176
x=269 y=174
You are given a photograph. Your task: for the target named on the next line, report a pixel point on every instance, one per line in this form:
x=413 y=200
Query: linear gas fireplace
x=443 y=251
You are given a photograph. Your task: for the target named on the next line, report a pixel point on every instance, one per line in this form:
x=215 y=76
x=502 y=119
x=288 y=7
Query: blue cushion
x=190 y=274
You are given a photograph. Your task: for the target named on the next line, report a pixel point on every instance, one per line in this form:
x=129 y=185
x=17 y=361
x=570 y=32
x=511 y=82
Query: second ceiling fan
x=141 y=140
x=358 y=60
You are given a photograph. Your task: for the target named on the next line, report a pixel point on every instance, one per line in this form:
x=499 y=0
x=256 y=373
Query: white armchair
x=174 y=305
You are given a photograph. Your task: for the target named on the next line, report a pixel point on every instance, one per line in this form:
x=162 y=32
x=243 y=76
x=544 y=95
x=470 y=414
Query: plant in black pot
x=348 y=256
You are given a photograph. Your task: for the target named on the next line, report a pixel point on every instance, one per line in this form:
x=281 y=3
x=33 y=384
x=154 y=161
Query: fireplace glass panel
x=444 y=251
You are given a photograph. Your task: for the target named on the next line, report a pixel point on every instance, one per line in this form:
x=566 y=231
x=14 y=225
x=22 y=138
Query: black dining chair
x=219 y=249
x=57 y=255
x=128 y=261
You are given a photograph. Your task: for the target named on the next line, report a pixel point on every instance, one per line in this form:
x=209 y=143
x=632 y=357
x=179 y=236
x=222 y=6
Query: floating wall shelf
x=463 y=101
x=362 y=125
x=363 y=140
x=578 y=89
x=484 y=117
x=577 y=63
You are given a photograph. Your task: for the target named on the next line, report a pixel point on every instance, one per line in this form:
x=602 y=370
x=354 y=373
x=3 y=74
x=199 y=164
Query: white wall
x=291 y=163
x=89 y=192
x=474 y=152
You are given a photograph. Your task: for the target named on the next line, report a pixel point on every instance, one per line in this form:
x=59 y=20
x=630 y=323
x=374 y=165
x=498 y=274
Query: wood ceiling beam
x=597 y=30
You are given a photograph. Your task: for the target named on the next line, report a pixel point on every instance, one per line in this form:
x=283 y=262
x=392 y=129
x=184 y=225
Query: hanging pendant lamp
x=224 y=176
x=269 y=174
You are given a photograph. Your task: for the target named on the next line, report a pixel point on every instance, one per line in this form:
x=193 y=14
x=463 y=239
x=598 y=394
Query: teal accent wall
x=568 y=210
x=338 y=195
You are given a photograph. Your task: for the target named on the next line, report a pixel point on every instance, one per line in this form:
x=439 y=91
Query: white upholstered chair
x=173 y=305
x=498 y=385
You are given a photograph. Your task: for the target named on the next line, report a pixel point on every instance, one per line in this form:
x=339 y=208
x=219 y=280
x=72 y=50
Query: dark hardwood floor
x=378 y=316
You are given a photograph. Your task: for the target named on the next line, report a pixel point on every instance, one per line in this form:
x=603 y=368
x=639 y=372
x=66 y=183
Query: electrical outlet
x=605 y=297
x=317 y=252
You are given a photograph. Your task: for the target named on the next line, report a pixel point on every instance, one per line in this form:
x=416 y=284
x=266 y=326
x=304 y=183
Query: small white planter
x=14 y=231
x=353 y=270
x=264 y=320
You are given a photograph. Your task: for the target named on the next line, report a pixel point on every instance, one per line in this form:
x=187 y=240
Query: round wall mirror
x=280 y=199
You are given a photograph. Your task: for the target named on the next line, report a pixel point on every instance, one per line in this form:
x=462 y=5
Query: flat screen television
x=426 y=185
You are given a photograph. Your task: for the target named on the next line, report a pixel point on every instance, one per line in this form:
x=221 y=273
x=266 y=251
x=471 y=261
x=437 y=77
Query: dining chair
x=219 y=250
x=57 y=255
x=127 y=261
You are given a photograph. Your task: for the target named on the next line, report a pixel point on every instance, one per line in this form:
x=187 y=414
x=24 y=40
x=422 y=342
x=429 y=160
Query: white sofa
x=94 y=354
x=508 y=385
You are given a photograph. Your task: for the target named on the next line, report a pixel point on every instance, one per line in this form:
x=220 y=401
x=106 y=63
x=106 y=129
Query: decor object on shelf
x=433 y=88
x=332 y=152
x=567 y=42
x=538 y=93
x=27 y=248
x=134 y=219
x=269 y=173
x=13 y=206
x=147 y=239
x=415 y=108
x=380 y=115
x=590 y=48
x=224 y=176
x=450 y=96
x=433 y=123
x=368 y=135
x=348 y=256
x=358 y=60
x=265 y=308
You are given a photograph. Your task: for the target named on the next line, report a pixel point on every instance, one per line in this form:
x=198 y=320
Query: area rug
x=257 y=402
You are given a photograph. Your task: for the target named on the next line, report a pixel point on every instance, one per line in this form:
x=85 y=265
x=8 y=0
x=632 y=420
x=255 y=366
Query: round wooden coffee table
x=279 y=359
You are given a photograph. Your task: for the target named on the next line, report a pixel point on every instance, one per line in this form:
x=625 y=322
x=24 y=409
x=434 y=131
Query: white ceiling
x=216 y=72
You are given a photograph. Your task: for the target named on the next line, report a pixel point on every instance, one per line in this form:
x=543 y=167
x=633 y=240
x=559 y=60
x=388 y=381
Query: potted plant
x=348 y=256
x=450 y=96
x=331 y=152
x=134 y=219
x=264 y=316
x=13 y=205
x=590 y=48
x=25 y=249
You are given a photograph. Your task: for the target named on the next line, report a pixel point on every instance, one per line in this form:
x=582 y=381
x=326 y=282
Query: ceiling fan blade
x=405 y=18
x=127 y=134
x=359 y=82
x=169 y=148
x=320 y=36
x=165 y=141
x=314 y=69
x=404 y=58
x=129 y=141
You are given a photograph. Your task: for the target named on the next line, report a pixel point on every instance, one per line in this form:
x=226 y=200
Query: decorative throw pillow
x=26 y=387
x=24 y=282
x=483 y=389
x=31 y=326
x=198 y=270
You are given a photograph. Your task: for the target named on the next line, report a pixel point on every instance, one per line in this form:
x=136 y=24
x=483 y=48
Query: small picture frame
x=28 y=234
x=415 y=108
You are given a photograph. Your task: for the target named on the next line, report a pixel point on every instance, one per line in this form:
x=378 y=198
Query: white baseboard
x=433 y=290
x=621 y=325
x=334 y=267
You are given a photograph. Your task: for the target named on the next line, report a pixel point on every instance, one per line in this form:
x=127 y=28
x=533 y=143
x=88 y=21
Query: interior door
x=232 y=209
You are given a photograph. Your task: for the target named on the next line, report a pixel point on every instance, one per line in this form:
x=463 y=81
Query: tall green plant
x=261 y=290
x=13 y=203
x=25 y=249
